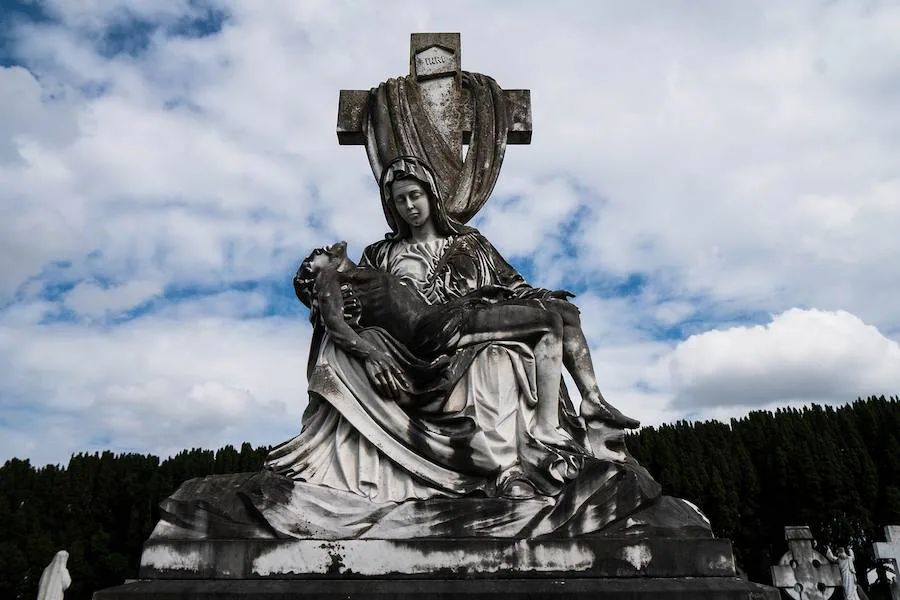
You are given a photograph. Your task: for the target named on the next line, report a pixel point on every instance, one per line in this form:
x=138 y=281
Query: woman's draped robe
x=472 y=418
x=365 y=467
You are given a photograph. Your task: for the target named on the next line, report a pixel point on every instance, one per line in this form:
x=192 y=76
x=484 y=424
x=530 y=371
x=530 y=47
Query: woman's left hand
x=561 y=294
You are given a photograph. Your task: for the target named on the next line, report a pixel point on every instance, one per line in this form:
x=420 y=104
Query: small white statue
x=55 y=579
x=844 y=560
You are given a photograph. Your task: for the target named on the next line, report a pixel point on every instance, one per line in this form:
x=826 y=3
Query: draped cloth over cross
x=396 y=123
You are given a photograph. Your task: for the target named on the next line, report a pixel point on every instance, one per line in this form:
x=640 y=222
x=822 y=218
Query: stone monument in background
x=440 y=453
x=803 y=572
x=55 y=578
x=889 y=550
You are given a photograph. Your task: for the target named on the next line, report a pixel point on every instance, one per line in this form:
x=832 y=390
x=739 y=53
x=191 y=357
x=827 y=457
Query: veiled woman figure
x=55 y=579
x=466 y=422
x=845 y=562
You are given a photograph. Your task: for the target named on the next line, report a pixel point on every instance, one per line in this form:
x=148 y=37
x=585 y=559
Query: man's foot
x=598 y=409
x=513 y=484
x=557 y=438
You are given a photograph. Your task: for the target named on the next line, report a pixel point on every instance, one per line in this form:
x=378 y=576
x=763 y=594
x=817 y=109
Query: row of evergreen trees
x=836 y=470
x=101 y=509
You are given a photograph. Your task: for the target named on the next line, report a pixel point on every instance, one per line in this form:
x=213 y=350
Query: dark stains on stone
x=337 y=566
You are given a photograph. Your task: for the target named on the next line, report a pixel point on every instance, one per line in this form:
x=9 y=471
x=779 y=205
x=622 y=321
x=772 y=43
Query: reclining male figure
x=340 y=291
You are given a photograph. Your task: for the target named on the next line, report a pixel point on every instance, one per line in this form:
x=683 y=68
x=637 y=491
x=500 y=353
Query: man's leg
x=578 y=362
x=522 y=323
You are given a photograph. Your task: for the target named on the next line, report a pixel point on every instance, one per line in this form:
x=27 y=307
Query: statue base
x=618 y=567
x=684 y=588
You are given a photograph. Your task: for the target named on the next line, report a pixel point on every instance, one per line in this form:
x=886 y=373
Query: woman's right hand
x=385 y=374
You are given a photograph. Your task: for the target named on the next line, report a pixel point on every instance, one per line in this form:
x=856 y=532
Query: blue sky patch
x=702 y=321
x=12 y=14
x=205 y=21
x=133 y=36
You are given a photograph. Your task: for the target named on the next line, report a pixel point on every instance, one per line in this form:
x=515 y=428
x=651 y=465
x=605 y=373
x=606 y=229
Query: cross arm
x=783 y=576
x=886 y=550
x=518 y=113
x=352 y=105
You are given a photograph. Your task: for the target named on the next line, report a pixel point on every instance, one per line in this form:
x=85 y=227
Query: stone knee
x=554 y=323
x=569 y=313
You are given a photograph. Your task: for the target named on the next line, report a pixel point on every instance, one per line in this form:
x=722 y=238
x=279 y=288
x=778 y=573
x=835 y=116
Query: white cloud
x=802 y=355
x=28 y=112
x=533 y=212
x=740 y=157
x=155 y=384
x=93 y=300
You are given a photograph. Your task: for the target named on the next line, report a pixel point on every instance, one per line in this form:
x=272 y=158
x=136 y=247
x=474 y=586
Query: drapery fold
x=478 y=424
x=397 y=124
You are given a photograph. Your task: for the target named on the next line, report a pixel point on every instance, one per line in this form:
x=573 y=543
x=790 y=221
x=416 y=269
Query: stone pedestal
x=590 y=567
x=685 y=588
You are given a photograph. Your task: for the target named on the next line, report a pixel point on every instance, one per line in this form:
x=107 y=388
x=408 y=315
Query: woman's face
x=411 y=200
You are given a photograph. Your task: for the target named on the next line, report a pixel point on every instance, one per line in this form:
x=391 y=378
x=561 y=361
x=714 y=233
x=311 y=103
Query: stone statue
x=435 y=397
x=802 y=572
x=347 y=299
x=434 y=376
x=439 y=440
x=55 y=579
x=845 y=562
x=440 y=312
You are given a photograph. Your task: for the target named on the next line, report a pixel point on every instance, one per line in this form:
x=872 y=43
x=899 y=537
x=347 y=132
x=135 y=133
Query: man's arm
x=383 y=371
x=331 y=308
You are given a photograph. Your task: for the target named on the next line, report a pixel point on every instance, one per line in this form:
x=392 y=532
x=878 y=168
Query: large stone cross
x=436 y=67
x=890 y=550
x=802 y=572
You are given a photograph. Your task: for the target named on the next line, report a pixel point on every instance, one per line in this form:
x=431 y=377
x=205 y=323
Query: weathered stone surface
x=435 y=61
x=434 y=56
x=803 y=573
x=607 y=499
x=890 y=550
x=351 y=107
x=686 y=588
x=438 y=558
x=423 y=42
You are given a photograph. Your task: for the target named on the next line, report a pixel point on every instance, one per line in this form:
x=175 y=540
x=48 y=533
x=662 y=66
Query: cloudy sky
x=718 y=181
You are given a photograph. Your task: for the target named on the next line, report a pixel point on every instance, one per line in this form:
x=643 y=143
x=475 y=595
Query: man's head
x=326 y=257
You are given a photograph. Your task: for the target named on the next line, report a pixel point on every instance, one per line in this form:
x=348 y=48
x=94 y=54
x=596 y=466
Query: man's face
x=329 y=256
x=319 y=261
x=411 y=199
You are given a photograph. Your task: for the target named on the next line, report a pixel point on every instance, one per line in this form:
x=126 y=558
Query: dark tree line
x=101 y=508
x=834 y=469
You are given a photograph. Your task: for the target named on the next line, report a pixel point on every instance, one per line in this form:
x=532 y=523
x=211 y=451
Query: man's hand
x=385 y=374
